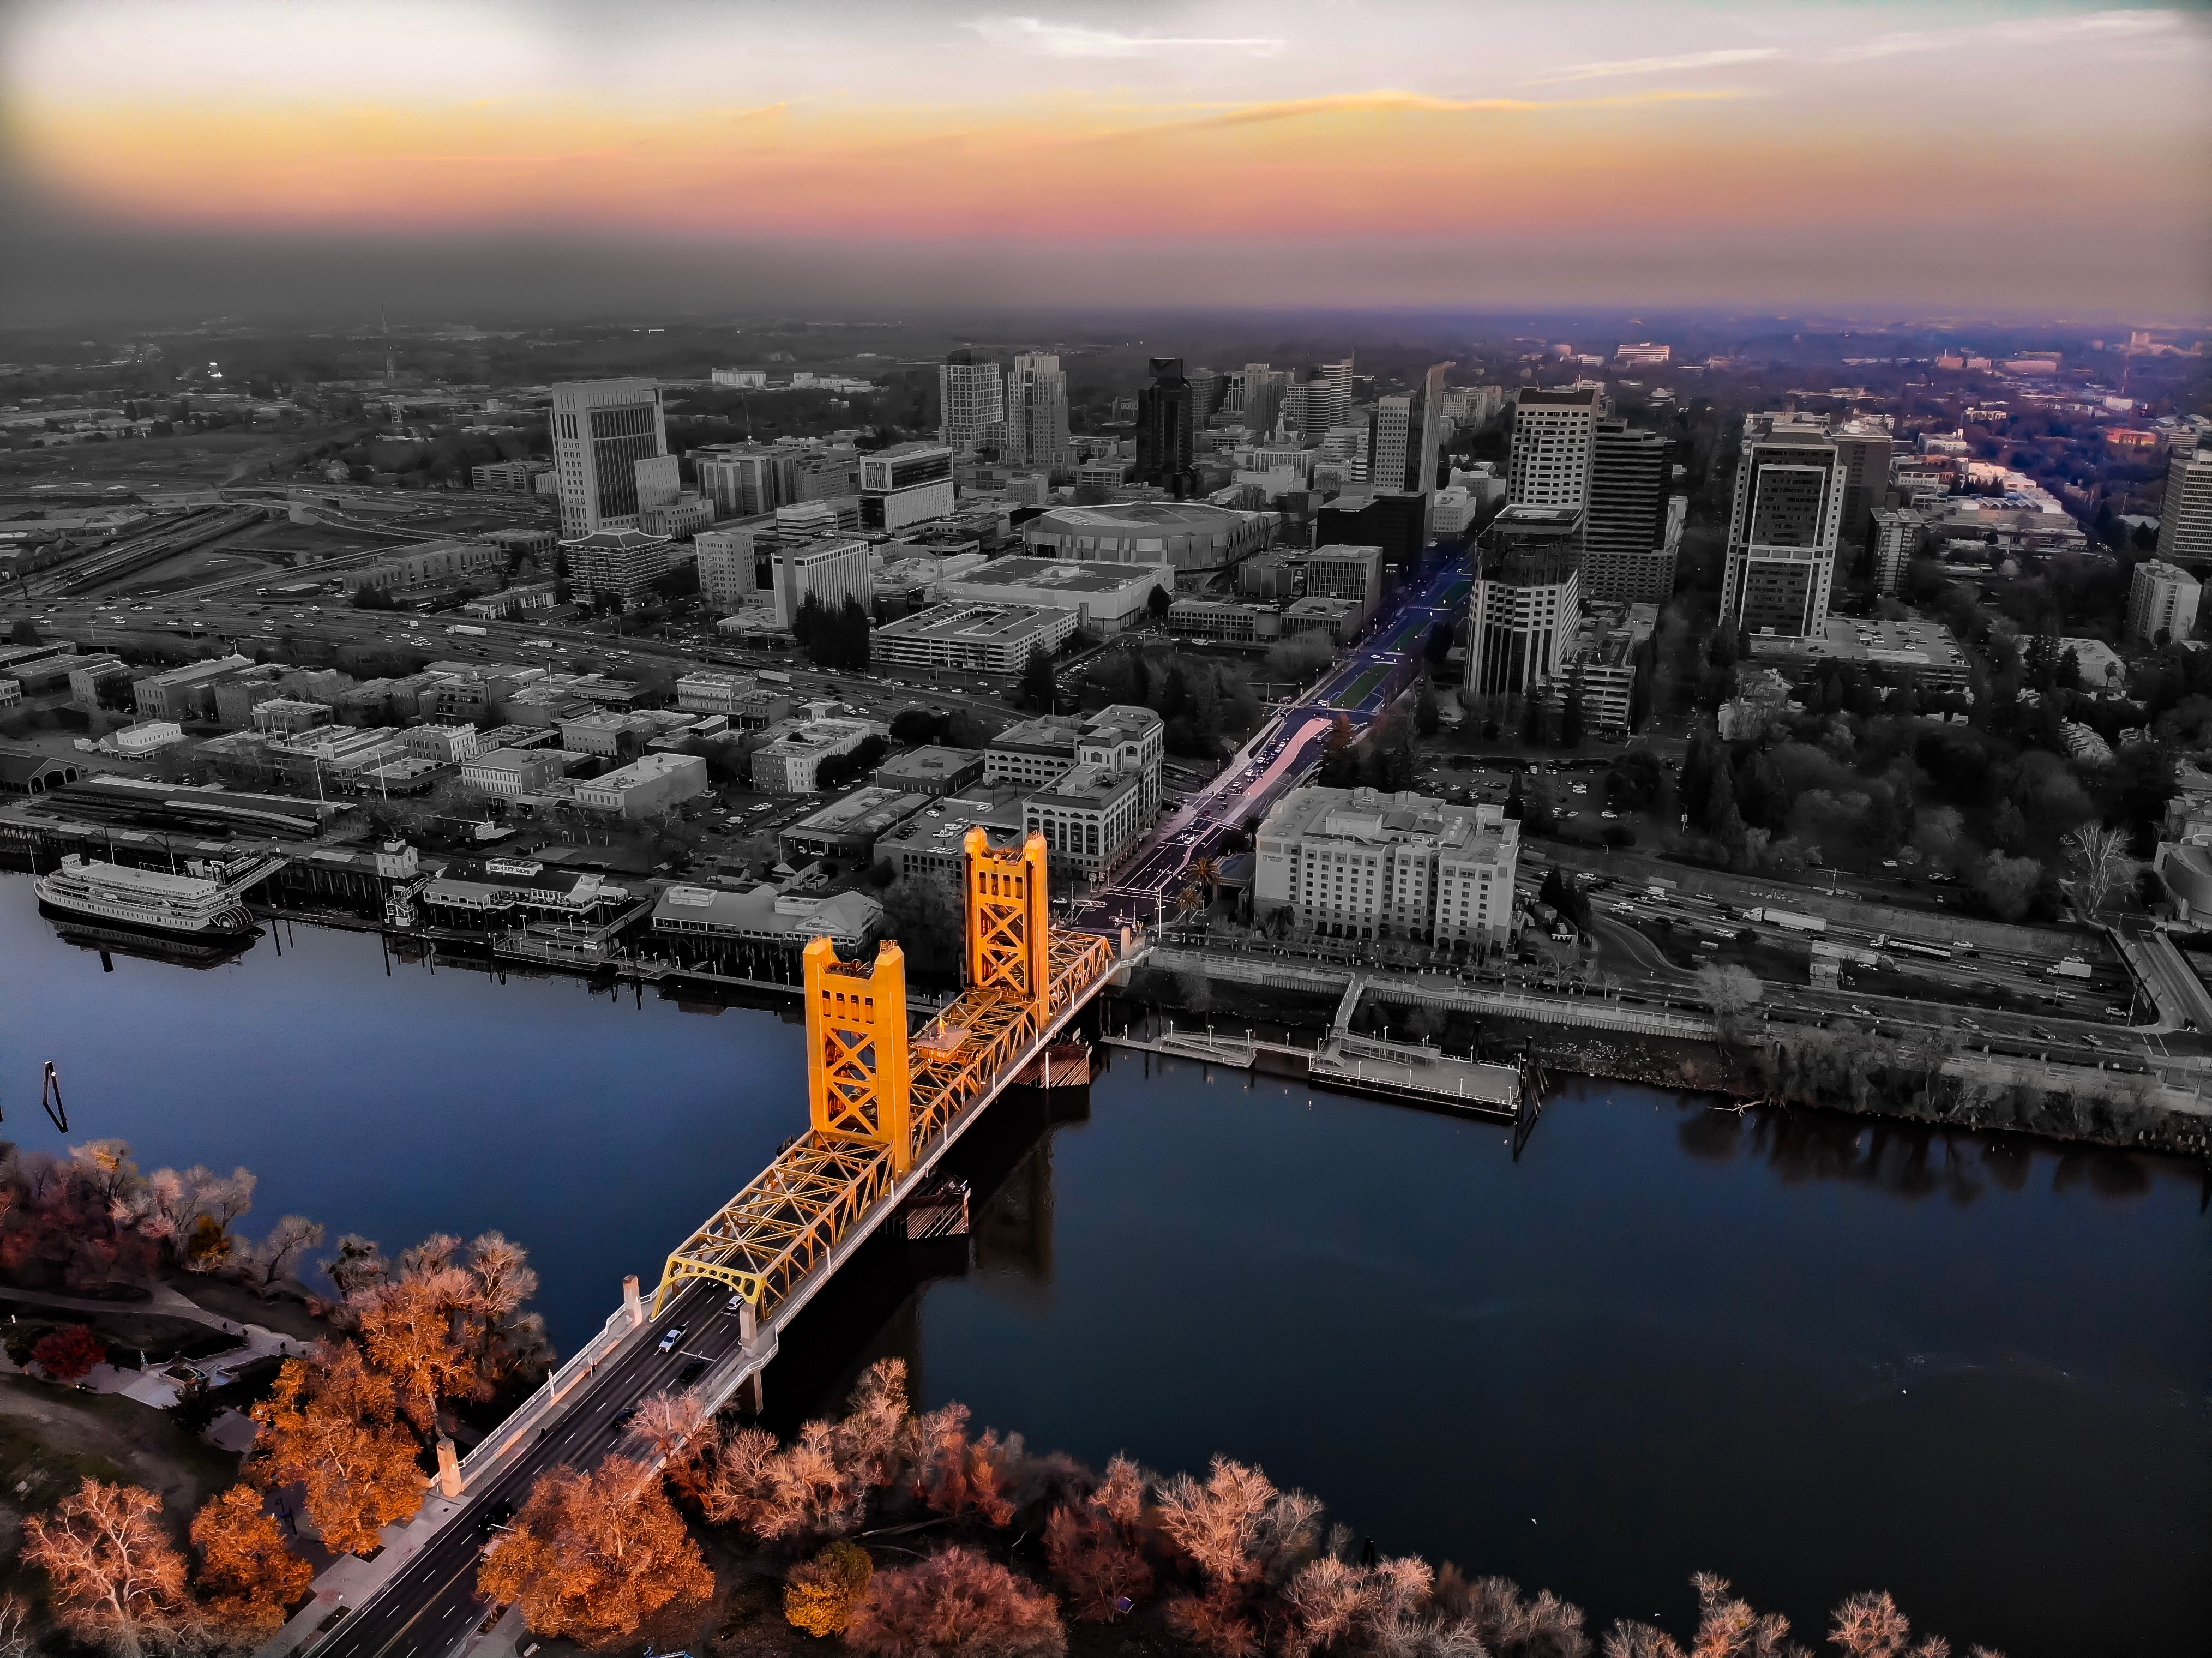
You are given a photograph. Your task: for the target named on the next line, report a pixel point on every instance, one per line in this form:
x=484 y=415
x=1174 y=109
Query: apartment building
x=1364 y=865
x=2161 y=600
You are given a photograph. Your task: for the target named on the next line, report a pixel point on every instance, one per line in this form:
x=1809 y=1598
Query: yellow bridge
x=883 y=1101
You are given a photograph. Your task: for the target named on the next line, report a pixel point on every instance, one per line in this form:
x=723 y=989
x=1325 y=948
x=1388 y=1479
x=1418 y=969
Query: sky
x=164 y=157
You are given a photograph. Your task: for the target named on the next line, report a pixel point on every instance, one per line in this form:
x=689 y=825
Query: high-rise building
x=727 y=570
x=1527 y=602
x=602 y=430
x=907 y=483
x=1036 y=414
x=1165 y=433
x=1554 y=442
x=745 y=480
x=1332 y=384
x=1864 y=451
x=1896 y=540
x=1426 y=456
x=2161 y=600
x=1624 y=557
x=972 y=402
x=2184 y=519
x=620 y=564
x=1390 y=442
x=831 y=570
x=1263 y=397
x=1783 y=524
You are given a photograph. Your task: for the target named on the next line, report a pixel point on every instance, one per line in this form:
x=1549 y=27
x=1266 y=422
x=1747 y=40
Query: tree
x=409 y=1328
x=69 y=1354
x=118 y=1582
x=1727 y=1628
x=594 y=1556
x=1426 y=717
x=23 y=631
x=1339 y=766
x=1240 y=1533
x=329 y=1425
x=822 y=1594
x=1040 y=685
x=249 y=1578
x=1728 y=989
x=1571 y=718
x=1870 y=1626
x=2099 y=857
x=1156 y=601
x=1094 y=1547
x=288 y=1240
x=956 y=1604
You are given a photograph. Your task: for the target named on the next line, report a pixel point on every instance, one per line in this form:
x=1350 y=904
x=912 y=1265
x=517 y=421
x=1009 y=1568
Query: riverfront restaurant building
x=759 y=934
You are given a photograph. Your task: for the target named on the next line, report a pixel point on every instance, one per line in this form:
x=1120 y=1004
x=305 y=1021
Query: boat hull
x=127 y=919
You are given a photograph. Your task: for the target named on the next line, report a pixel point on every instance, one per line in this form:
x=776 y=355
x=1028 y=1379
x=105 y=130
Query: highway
x=430 y=1606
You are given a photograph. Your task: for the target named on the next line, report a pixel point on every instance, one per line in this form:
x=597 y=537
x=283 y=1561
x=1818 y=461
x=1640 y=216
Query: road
x=429 y=1605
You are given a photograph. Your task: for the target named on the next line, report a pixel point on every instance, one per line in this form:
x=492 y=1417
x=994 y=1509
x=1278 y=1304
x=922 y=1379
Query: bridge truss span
x=885 y=1103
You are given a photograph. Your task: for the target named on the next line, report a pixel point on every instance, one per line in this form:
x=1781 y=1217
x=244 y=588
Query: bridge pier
x=631 y=1302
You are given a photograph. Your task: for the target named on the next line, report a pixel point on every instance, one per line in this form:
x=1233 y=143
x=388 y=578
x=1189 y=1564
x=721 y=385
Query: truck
x=2072 y=968
x=1788 y=919
x=464 y=628
x=769 y=675
x=1851 y=953
x=1910 y=947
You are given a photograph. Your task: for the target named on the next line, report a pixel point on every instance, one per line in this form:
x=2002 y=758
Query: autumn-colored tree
x=409 y=1328
x=69 y=1354
x=247 y=1577
x=956 y=1604
x=684 y=1439
x=329 y=1426
x=593 y=1555
x=1336 y=1606
x=1870 y=1625
x=788 y=1495
x=961 y=1477
x=867 y=1440
x=118 y=1582
x=1095 y=1547
x=822 y=1594
x=1507 y=1624
x=1242 y=1535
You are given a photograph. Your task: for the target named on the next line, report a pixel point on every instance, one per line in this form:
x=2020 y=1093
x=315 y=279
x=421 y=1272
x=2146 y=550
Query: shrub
x=69 y=1354
x=822 y=1594
x=956 y=1604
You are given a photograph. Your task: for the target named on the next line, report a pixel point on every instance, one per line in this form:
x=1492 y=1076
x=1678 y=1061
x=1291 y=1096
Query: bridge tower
x=857 y=1073
x=1009 y=922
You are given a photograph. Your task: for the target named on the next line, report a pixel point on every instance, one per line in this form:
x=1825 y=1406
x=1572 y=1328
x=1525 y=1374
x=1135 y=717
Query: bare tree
x=286 y=1241
x=118 y=1582
x=2099 y=860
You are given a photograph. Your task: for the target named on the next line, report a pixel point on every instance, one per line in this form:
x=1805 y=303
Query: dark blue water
x=1814 y=1354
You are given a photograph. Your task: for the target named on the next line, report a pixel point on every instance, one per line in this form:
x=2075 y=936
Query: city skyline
x=159 y=157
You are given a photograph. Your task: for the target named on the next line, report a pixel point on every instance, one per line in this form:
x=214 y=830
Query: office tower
x=1527 y=602
x=746 y=480
x=1433 y=432
x=1263 y=397
x=1209 y=391
x=2185 y=517
x=908 y=483
x=1787 y=506
x=831 y=571
x=2162 y=599
x=971 y=403
x=1164 y=436
x=1389 y=442
x=1554 y=439
x=1334 y=381
x=1624 y=558
x=601 y=430
x=727 y=577
x=1037 y=413
x=1865 y=453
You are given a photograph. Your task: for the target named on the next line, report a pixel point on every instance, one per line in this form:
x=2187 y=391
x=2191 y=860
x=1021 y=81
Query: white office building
x=608 y=436
x=2162 y=599
x=2185 y=519
x=970 y=638
x=727 y=579
x=972 y=402
x=1554 y=446
x=1783 y=527
x=831 y=571
x=1896 y=540
x=1359 y=863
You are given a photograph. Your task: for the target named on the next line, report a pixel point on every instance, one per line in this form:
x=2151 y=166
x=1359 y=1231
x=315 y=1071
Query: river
x=1812 y=1354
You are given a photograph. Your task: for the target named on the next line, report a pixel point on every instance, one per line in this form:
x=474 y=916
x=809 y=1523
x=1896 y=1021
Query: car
x=1863 y=1012
x=691 y=1372
x=623 y=1417
x=668 y=1340
x=2040 y=1034
x=2116 y=1012
x=1971 y=1026
x=1609 y=814
x=2090 y=1037
x=1889 y=863
x=736 y=1300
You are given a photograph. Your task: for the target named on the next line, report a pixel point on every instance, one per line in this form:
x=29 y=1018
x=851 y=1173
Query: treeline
x=1206 y=708
x=1229 y=1566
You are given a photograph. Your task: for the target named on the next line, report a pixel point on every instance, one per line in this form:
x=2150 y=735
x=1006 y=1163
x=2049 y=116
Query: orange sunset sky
x=2027 y=157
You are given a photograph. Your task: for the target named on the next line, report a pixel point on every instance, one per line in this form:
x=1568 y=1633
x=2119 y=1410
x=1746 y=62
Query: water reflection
x=1900 y=1159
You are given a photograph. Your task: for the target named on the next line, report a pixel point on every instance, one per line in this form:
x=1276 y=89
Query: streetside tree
x=248 y=1577
x=330 y=1426
x=594 y=1556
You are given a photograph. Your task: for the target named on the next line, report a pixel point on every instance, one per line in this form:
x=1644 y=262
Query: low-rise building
x=1032 y=752
x=1090 y=817
x=932 y=770
x=972 y=638
x=1104 y=597
x=929 y=845
x=186 y=693
x=758 y=934
x=11 y=693
x=24 y=770
x=650 y=783
x=99 y=682
x=1918 y=649
x=1230 y=621
x=1360 y=864
x=846 y=830
x=1340 y=618
x=501 y=892
x=287 y=716
x=506 y=773
x=1609 y=654
x=444 y=745
x=790 y=762
x=512 y=603
x=2102 y=669
x=610 y=736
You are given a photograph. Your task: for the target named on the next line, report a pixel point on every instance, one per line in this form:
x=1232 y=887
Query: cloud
x=1658 y=65
x=1384 y=103
x=1079 y=40
x=2084 y=29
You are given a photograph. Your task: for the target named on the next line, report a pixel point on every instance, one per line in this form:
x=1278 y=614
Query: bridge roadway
x=430 y=1606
